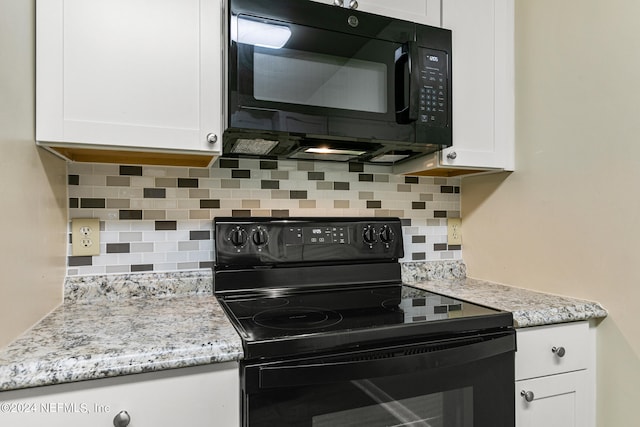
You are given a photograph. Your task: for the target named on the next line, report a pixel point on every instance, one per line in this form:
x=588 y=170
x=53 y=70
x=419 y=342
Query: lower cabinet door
x=202 y=396
x=553 y=401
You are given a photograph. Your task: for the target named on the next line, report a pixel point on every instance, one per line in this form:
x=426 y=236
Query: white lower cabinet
x=555 y=376
x=202 y=396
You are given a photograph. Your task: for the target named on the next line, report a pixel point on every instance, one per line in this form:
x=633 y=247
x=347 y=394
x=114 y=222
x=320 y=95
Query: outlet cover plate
x=85 y=236
x=454 y=231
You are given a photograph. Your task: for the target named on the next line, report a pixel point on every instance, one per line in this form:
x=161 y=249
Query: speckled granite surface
x=126 y=324
x=90 y=338
x=529 y=308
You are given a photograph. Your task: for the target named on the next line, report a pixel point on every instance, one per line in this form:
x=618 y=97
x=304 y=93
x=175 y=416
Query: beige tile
x=251 y=204
x=154 y=214
x=341 y=204
x=200 y=214
x=307 y=204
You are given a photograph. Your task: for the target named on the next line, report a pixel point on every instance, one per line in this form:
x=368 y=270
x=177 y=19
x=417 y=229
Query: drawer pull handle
x=559 y=351
x=122 y=419
x=528 y=395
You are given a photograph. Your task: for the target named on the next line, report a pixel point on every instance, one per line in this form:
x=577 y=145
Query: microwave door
x=317 y=82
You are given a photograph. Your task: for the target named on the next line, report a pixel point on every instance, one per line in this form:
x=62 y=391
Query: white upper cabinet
x=129 y=75
x=483 y=90
x=423 y=11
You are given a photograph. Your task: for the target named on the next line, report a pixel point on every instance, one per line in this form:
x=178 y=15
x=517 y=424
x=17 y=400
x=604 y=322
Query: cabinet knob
x=452 y=155
x=338 y=2
x=212 y=138
x=353 y=4
x=528 y=395
x=122 y=419
x=559 y=351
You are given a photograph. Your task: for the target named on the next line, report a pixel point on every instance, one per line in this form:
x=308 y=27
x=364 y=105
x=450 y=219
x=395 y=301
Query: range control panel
x=275 y=241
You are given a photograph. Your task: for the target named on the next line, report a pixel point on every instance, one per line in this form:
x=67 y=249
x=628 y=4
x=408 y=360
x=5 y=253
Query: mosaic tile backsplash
x=156 y=218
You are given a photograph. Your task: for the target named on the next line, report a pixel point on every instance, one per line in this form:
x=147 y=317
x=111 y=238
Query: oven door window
x=309 y=70
x=383 y=392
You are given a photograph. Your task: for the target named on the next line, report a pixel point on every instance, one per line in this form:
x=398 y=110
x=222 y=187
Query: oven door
x=461 y=383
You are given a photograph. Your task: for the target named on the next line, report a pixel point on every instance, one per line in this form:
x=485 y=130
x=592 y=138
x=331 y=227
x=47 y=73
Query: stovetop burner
x=297 y=318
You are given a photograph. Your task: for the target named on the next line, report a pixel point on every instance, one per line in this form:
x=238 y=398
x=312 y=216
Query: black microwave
x=306 y=80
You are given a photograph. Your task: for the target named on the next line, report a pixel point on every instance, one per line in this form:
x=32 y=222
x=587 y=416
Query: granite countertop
x=529 y=308
x=95 y=333
x=126 y=324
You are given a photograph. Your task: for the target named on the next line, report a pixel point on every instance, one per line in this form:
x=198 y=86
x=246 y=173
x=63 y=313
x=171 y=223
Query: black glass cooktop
x=311 y=321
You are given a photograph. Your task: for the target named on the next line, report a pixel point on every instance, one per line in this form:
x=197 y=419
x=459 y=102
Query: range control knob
x=369 y=235
x=386 y=234
x=238 y=237
x=260 y=236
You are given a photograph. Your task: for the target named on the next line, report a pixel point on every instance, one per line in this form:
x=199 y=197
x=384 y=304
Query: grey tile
x=418 y=239
x=418 y=205
x=166 y=182
x=439 y=214
x=192 y=245
x=404 y=188
x=73 y=202
x=141 y=267
x=418 y=256
x=73 y=180
x=131 y=170
x=241 y=213
x=266 y=184
x=374 y=204
x=229 y=183
x=118 y=248
x=199 y=235
x=356 y=167
x=280 y=213
x=455 y=247
x=241 y=174
x=229 y=163
x=92 y=203
x=324 y=185
x=199 y=173
x=365 y=195
x=154 y=214
x=365 y=177
x=210 y=204
x=446 y=189
x=268 y=164
x=77 y=261
x=345 y=186
x=306 y=166
x=130 y=214
x=118 y=181
x=380 y=178
x=410 y=179
x=155 y=193
x=198 y=193
x=188 y=182
x=297 y=194
x=315 y=176
x=118 y=203
x=439 y=246
x=281 y=175
x=206 y=264
x=166 y=225
x=426 y=197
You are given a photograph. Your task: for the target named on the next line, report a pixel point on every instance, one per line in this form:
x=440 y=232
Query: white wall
x=568 y=220
x=32 y=186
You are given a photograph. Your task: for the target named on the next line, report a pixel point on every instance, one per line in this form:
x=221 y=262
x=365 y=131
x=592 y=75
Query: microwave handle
x=406 y=105
x=284 y=376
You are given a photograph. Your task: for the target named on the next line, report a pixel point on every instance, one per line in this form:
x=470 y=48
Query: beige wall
x=568 y=220
x=32 y=186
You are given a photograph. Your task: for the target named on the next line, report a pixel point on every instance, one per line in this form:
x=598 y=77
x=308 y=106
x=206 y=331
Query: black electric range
x=299 y=286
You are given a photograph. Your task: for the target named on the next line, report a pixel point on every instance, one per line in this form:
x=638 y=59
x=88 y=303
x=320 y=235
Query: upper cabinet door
x=483 y=83
x=423 y=11
x=483 y=91
x=130 y=74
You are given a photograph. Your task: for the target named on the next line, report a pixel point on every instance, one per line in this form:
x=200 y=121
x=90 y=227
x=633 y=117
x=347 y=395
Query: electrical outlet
x=454 y=231
x=85 y=236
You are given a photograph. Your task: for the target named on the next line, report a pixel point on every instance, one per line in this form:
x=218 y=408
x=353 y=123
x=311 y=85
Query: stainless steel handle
x=353 y=4
x=452 y=155
x=338 y=2
x=122 y=419
x=528 y=395
x=212 y=138
x=559 y=351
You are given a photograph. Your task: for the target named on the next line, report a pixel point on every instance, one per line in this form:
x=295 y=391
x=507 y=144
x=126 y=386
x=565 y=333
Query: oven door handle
x=317 y=372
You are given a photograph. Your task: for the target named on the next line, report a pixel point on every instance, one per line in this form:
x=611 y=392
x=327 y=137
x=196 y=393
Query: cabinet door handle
x=338 y=2
x=122 y=419
x=528 y=395
x=559 y=351
x=452 y=155
x=212 y=138
x=353 y=4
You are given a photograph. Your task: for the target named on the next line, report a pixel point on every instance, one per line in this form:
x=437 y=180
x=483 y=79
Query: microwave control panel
x=434 y=96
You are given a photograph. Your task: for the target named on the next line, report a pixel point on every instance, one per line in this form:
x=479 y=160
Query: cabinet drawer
x=535 y=356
